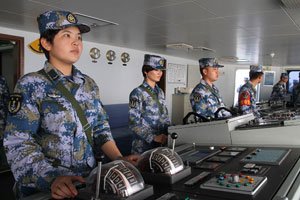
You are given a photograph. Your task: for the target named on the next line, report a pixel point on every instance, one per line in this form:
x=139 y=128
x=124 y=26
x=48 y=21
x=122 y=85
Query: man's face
x=284 y=79
x=211 y=73
x=260 y=78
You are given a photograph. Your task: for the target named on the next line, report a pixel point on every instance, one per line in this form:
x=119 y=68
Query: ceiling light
x=272 y=54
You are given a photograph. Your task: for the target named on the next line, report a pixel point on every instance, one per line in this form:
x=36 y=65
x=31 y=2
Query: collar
x=77 y=75
x=145 y=84
x=205 y=83
x=251 y=85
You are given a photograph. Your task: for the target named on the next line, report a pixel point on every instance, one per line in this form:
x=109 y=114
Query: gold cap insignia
x=71 y=18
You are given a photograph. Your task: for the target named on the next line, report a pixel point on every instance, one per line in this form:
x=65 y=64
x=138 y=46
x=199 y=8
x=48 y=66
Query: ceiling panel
x=180 y=13
x=22 y=6
x=249 y=29
x=238 y=7
x=274 y=30
x=262 y=19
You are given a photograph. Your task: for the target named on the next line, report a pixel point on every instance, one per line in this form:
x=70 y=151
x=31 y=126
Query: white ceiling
x=247 y=29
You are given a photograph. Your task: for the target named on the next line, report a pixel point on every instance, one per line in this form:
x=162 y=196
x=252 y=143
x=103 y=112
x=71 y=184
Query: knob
x=174 y=136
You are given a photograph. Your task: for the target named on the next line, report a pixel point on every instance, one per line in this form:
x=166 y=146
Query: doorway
x=241 y=77
x=11 y=68
x=11 y=59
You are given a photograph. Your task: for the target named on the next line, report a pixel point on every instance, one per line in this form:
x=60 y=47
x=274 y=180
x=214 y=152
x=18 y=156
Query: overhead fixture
x=204 y=49
x=229 y=58
x=233 y=59
x=242 y=60
x=188 y=47
x=180 y=46
x=93 y=21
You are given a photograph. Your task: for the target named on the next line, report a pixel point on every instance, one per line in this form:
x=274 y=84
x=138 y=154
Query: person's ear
x=45 y=44
x=205 y=71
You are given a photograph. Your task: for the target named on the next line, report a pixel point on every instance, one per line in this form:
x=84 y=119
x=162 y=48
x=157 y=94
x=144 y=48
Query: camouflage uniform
x=247 y=102
x=3 y=105
x=205 y=103
x=278 y=92
x=296 y=91
x=43 y=129
x=145 y=119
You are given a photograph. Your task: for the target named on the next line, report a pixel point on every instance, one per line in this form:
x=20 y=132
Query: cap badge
x=161 y=62
x=71 y=18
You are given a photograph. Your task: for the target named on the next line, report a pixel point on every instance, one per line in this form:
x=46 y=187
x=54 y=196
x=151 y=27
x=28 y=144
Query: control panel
x=210 y=173
x=231 y=172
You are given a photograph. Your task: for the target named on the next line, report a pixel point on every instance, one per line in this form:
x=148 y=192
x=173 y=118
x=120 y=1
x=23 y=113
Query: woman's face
x=66 y=47
x=154 y=75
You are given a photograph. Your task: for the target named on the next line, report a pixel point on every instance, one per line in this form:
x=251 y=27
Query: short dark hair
x=201 y=71
x=254 y=75
x=49 y=36
x=146 y=68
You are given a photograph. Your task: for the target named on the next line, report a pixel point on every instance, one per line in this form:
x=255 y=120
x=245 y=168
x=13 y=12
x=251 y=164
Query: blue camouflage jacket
x=205 y=103
x=278 y=92
x=43 y=129
x=3 y=104
x=247 y=101
x=145 y=118
x=296 y=91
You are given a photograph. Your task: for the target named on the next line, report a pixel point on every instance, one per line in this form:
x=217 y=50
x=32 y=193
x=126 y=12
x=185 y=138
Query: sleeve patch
x=14 y=104
x=197 y=97
x=244 y=99
x=133 y=103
